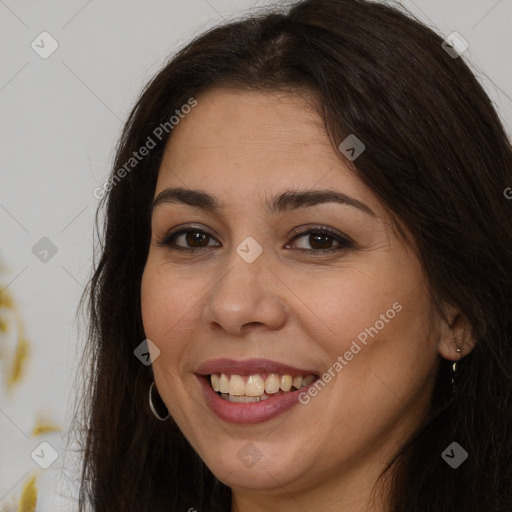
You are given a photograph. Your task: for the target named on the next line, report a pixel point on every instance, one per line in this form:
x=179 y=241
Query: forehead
x=244 y=143
x=230 y=122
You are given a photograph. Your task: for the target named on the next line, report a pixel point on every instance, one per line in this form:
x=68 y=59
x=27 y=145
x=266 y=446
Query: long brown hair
x=438 y=158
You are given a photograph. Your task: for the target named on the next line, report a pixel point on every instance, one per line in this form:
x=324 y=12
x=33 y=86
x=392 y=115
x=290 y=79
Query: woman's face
x=263 y=283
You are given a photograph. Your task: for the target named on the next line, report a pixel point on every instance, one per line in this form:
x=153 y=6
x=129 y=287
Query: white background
x=60 y=119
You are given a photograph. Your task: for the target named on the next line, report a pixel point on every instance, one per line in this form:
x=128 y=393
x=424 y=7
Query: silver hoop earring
x=153 y=410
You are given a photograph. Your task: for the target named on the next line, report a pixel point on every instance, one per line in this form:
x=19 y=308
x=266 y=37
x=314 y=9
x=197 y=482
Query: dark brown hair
x=438 y=158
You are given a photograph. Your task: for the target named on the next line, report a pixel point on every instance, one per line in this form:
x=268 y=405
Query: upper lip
x=250 y=367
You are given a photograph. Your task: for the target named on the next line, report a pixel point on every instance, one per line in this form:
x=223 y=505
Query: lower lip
x=251 y=412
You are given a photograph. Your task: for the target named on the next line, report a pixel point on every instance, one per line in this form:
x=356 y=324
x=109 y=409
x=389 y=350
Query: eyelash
x=343 y=241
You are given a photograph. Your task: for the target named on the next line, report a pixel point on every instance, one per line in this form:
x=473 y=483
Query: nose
x=246 y=297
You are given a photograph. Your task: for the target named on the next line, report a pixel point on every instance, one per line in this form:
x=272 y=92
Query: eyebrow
x=286 y=201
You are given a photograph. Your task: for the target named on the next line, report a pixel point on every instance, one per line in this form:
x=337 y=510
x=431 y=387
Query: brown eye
x=196 y=237
x=321 y=240
x=188 y=240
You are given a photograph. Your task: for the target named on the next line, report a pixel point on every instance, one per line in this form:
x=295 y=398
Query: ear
x=456 y=332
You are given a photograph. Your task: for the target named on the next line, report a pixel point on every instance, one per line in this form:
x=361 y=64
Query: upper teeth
x=257 y=385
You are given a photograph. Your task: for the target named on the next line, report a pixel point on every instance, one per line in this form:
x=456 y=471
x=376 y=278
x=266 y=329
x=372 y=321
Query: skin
x=302 y=309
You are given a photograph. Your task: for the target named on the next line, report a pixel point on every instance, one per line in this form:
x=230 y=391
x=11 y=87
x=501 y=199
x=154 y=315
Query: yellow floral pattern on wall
x=14 y=357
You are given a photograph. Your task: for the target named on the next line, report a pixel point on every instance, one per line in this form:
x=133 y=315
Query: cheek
x=171 y=308
x=374 y=319
x=164 y=300
x=152 y=299
x=340 y=307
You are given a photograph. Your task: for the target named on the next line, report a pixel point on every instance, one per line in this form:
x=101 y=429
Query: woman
x=306 y=236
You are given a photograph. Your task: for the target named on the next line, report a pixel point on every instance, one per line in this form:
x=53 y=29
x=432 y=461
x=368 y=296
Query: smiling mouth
x=257 y=387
